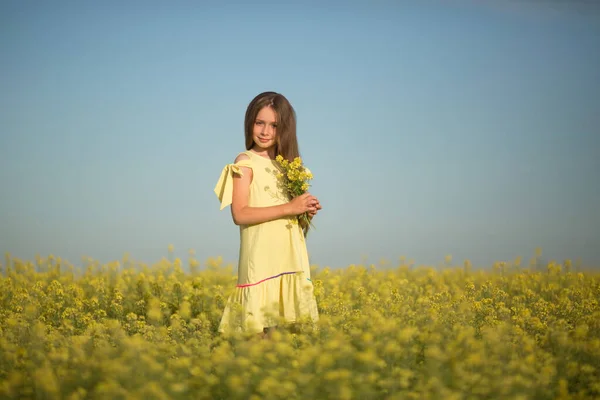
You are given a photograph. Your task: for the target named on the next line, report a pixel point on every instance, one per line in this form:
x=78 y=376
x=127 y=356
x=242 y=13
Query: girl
x=273 y=270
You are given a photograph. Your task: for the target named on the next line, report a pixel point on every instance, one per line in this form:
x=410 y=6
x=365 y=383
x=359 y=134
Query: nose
x=266 y=129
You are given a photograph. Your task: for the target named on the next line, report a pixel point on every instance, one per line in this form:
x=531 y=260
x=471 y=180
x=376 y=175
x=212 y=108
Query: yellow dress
x=273 y=269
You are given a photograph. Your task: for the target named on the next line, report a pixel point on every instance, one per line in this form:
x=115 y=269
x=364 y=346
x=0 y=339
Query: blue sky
x=432 y=127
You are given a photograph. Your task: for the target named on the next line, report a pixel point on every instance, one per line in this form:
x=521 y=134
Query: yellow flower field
x=127 y=330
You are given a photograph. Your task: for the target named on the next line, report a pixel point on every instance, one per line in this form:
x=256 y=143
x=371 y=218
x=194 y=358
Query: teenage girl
x=273 y=269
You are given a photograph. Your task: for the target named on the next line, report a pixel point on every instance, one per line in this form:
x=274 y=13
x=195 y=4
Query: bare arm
x=245 y=215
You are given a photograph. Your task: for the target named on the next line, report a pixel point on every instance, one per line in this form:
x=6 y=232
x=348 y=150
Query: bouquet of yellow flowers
x=295 y=177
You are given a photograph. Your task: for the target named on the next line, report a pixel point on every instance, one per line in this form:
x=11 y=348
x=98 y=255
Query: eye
x=259 y=123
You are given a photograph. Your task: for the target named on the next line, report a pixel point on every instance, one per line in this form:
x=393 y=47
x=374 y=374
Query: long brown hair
x=286 y=142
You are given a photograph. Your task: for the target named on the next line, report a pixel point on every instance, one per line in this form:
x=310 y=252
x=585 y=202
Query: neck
x=267 y=153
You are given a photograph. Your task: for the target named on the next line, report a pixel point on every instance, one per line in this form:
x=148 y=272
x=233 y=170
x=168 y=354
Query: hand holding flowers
x=295 y=178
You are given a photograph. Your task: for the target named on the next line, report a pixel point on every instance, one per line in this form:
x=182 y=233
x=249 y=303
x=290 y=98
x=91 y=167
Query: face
x=265 y=128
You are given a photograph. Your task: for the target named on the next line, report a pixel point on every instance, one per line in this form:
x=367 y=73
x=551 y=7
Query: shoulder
x=241 y=156
x=243 y=161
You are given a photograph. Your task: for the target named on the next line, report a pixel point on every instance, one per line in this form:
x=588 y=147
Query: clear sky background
x=459 y=127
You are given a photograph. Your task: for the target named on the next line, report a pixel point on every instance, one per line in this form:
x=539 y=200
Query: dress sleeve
x=224 y=187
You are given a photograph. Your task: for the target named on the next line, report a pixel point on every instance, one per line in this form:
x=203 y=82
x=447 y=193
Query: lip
x=263 y=140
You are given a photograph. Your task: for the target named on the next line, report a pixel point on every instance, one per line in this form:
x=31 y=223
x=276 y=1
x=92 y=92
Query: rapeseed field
x=127 y=330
